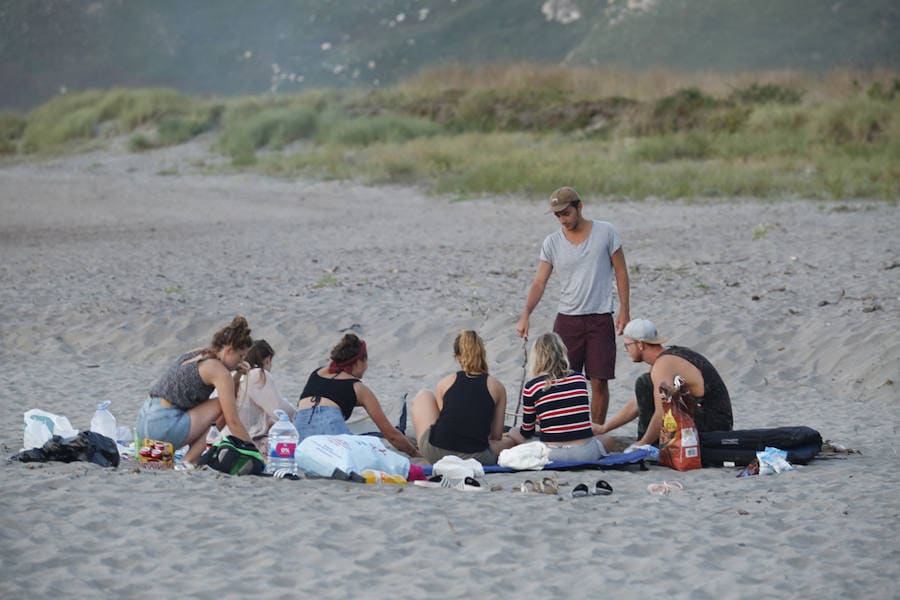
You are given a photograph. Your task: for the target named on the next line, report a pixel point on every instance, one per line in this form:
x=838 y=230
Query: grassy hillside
x=231 y=47
x=526 y=130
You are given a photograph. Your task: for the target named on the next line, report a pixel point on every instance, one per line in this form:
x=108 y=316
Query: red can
x=145 y=451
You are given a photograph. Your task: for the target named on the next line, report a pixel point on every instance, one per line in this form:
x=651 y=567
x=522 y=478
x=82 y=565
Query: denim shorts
x=158 y=422
x=320 y=420
x=587 y=452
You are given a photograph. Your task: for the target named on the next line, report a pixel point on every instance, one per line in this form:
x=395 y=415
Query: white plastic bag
x=41 y=425
x=322 y=454
x=531 y=456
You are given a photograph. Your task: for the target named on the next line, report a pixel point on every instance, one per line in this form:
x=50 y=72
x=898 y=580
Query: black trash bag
x=87 y=446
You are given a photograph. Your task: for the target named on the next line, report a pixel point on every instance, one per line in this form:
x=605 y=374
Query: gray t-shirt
x=585 y=271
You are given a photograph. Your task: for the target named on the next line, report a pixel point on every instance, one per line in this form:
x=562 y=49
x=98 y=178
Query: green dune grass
x=527 y=130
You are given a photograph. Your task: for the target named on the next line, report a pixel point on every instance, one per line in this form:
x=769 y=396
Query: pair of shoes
x=546 y=485
x=661 y=489
x=601 y=488
x=467 y=484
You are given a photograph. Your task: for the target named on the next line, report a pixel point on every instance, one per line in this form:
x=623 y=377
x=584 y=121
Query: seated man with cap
x=712 y=409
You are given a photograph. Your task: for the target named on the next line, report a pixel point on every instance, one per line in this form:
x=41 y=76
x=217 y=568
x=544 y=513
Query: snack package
x=772 y=460
x=679 y=443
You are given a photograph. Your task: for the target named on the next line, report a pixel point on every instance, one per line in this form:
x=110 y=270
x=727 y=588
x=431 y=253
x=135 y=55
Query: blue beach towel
x=612 y=461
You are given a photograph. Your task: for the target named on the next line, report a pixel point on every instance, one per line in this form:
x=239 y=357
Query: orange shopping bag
x=679 y=443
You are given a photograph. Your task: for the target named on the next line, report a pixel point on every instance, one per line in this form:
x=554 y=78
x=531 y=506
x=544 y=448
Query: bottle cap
x=104 y=405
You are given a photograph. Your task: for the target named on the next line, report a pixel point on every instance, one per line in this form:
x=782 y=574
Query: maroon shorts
x=591 y=342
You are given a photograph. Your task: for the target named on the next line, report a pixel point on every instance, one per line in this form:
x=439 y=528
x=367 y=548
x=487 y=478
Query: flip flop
x=580 y=490
x=548 y=486
x=661 y=489
x=528 y=487
x=602 y=488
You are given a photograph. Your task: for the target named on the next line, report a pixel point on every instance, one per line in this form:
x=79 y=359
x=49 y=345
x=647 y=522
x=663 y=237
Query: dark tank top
x=464 y=424
x=339 y=391
x=712 y=412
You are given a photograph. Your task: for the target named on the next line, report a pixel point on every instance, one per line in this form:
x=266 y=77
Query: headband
x=336 y=367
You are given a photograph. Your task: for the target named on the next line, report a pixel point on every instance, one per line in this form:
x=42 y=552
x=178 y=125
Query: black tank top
x=712 y=412
x=464 y=424
x=339 y=391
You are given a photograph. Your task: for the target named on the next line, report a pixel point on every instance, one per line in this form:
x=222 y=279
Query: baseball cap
x=562 y=198
x=642 y=330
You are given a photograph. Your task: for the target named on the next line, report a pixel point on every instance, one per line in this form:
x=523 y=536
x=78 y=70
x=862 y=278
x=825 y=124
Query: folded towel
x=525 y=457
x=455 y=468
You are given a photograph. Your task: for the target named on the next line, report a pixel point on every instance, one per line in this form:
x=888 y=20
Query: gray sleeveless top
x=181 y=384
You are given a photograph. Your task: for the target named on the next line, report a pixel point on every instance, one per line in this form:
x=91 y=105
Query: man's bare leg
x=599 y=400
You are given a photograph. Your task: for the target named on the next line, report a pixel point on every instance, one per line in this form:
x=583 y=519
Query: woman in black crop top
x=332 y=392
x=465 y=414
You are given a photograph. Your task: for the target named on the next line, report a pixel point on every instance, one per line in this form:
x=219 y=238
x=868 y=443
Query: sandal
x=602 y=488
x=528 y=487
x=548 y=486
x=580 y=490
x=661 y=489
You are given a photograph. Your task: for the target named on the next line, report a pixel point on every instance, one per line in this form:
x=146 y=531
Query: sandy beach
x=114 y=263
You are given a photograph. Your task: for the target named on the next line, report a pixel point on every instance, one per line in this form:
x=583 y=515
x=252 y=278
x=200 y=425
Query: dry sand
x=113 y=263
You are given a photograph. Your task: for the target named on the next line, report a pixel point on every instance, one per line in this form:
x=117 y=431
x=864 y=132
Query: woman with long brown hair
x=180 y=410
x=465 y=414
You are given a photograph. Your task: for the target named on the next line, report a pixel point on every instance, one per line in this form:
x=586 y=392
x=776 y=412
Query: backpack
x=234 y=456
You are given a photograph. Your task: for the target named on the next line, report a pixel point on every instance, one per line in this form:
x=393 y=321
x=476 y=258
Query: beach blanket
x=612 y=461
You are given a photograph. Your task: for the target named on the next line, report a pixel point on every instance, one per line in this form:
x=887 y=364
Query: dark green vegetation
x=527 y=130
x=239 y=47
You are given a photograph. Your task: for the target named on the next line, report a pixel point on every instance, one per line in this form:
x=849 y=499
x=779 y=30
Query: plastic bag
x=87 y=446
x=679 y=443
x=323 y=454
x=41 y=425
x=772 y=460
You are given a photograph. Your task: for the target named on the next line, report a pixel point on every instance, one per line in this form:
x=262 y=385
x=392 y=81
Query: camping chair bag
x=739 y=447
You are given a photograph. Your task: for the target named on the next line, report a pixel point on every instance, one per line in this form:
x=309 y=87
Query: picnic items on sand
x=679 y=444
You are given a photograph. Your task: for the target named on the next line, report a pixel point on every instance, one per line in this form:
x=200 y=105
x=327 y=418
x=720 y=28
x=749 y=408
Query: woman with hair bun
x=465 y=414
x=180 y=410
x=332 y=392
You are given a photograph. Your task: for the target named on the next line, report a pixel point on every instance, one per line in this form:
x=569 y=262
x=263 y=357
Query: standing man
x=586 y=254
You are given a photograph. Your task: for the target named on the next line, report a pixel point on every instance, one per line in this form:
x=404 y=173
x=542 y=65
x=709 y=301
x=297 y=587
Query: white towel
x=525 y=457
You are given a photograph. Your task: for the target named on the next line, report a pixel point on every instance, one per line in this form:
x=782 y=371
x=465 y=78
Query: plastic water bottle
x=283 y=439
x=103 y=422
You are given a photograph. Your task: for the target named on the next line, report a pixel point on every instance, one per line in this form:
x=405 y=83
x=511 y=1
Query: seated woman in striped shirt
x=556 y=399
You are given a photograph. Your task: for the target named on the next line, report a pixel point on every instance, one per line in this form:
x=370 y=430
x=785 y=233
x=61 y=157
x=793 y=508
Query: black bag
x=739 y=447
x=234 y=456
x=88 y=446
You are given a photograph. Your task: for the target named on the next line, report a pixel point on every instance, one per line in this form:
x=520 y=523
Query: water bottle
x=103 y=422
x=283 y=439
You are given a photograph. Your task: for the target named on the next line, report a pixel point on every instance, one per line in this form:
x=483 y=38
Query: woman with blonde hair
x=556 y=399
x=464 y=416
x=180 y=410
